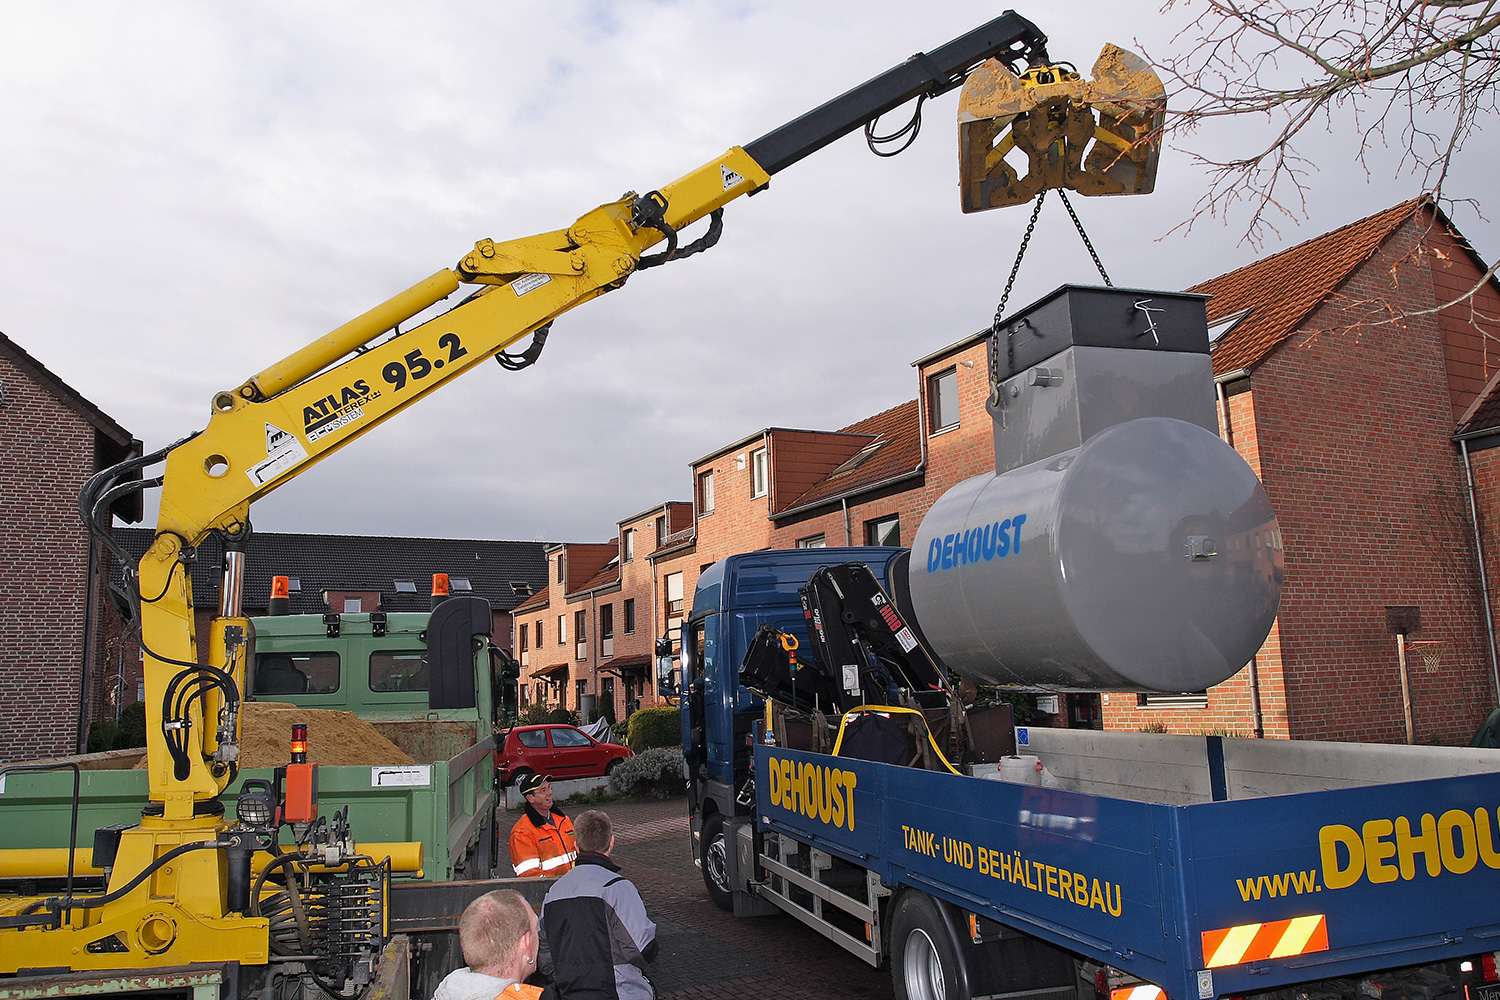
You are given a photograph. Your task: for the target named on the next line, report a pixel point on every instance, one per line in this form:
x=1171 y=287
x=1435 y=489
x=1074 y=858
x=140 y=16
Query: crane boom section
x=307 y=406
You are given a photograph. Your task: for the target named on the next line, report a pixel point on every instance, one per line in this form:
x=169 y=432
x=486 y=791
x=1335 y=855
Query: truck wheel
x=716 y=863
x=924 y=963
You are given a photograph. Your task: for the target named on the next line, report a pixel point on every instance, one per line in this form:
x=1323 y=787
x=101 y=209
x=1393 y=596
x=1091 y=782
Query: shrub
x=103 y=735
x=654 y=727
x=535 y=714
x=657 y=772
x=132 y=726
x=619 y=732
x=562 y=717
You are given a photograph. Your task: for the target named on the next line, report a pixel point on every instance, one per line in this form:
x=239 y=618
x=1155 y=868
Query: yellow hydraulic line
x=52 y=862
x=359 y=331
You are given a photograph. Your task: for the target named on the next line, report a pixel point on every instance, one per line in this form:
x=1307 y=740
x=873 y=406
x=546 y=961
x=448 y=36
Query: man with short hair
x=595 y=936
x=498 y=935
x=541 y=842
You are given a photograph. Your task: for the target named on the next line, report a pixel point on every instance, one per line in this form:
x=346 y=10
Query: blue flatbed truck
x=1199 y=866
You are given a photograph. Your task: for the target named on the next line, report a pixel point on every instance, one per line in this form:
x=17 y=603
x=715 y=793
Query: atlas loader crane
x=189 y=885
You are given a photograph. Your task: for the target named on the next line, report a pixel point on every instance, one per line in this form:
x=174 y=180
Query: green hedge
x=655 y=727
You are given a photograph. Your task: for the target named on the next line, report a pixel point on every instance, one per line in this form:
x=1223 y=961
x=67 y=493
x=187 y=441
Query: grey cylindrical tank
x=1148 y=559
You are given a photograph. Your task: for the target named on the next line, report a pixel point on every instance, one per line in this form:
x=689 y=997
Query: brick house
x=1348 y=417
x=1349 y=420
x=57 y=637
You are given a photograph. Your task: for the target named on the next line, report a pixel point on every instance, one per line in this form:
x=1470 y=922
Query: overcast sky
x=188 y=192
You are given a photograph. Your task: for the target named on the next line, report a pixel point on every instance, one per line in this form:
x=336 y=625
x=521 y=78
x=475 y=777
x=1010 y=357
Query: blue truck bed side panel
x=1401 y=873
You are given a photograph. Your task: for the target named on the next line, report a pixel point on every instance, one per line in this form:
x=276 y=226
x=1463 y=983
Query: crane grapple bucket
x=1049 y=128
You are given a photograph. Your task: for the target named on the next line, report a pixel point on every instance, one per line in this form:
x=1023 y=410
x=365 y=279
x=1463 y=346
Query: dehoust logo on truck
x=1383 y=850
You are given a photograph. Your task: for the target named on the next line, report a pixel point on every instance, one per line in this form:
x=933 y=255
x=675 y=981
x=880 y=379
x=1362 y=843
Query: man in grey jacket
x=595 y=936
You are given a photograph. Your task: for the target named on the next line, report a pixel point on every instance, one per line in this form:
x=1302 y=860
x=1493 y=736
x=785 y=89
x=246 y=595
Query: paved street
x=705 y=952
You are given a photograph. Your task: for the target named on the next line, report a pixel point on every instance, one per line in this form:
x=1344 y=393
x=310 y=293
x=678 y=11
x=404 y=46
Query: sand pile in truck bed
x=333 y=737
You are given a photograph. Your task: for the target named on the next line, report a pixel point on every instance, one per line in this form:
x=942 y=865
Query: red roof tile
x=897 y=431
x=1283 y=289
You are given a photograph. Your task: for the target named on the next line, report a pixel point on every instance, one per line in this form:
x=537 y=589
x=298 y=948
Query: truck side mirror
x=668 y=678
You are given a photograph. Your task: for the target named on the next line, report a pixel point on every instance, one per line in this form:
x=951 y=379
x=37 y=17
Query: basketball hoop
x=1431 y=652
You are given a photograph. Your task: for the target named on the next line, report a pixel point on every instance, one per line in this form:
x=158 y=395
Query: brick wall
x=1354 y=423
x=46 y=453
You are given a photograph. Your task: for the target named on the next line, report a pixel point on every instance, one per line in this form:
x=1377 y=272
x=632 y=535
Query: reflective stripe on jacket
x=539 y=848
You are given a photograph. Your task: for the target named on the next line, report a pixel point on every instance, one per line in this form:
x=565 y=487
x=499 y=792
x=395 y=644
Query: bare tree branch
x=1421 y=71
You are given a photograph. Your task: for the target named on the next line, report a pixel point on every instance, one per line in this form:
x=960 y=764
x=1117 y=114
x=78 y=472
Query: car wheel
x=613 y=765
x=519 y=773
x=924 y=961
x=716 y=862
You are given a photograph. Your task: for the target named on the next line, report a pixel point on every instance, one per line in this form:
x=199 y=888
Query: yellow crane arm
x=313 y=402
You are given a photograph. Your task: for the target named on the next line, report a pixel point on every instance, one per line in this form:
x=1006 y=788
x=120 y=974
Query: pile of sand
x=333 y=737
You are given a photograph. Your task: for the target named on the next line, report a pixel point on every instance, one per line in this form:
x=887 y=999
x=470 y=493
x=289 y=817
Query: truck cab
x=733 y=599
x=432 y=703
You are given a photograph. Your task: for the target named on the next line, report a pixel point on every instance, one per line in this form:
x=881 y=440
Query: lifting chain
x=1010 y=347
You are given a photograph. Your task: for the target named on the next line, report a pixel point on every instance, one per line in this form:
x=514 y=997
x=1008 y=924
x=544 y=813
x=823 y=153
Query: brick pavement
x=705 y=953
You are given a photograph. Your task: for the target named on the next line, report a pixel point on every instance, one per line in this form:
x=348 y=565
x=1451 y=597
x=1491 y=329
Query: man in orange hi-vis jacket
x=541 y=842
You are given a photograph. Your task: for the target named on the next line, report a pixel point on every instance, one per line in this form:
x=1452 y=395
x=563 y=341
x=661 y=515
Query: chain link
x=1086 y=241
x=1004 y=297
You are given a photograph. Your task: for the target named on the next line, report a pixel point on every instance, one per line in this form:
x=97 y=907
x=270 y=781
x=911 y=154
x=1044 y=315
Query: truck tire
x=716 y=862
x=924 y=961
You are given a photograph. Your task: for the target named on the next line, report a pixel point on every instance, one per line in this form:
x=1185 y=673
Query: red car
x=561 y=752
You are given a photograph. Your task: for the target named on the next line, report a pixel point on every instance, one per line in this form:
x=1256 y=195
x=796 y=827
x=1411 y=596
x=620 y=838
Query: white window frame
x=705 y=492
x=937 y=420
x=759 y=473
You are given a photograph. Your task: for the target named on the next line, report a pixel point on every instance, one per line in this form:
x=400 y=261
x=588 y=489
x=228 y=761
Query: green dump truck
x=423 y=680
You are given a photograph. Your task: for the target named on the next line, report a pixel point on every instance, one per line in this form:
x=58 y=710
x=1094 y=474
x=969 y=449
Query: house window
x=942 y=401
x=293 y=585
x=627 y=545
x=460 y=583
x=520 y=588
x=607 y=698
x=705 y=493
x=758 y=472
x=580 y=622
x=562 y=630
x=406 y=587
x=661 y=530
x=353 y=605
x=538 y=633
x=607 y=622
x=629 y=614
x=812 y=542
x=883 y=531
x=1219 y=327
x=524 y=647
x=673 y=586
x=525 y=692
x=1189 y=699
x=561 y=568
